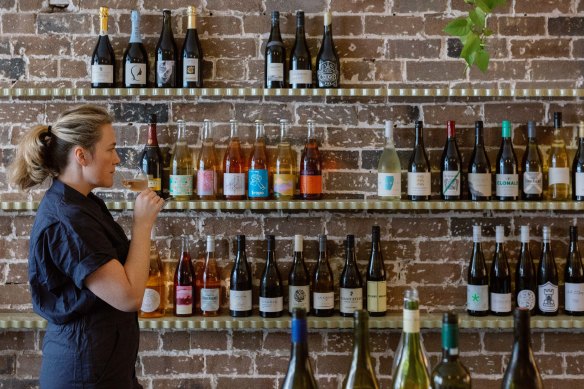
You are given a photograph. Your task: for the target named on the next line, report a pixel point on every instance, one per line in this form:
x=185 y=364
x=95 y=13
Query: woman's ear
x=81 y=155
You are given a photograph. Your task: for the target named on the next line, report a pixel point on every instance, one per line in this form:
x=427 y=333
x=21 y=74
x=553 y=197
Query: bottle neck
x=300 y=26
x=299 y=341
x=449 y=341
x=361 y=346
x=166 y=25
x=135 y=37
x=181 y=135
x=240 y=252
x=522 y=334
x=192 y=22
x=479 y=141
x=152 y=137
x=419 y=136
x=103 y=24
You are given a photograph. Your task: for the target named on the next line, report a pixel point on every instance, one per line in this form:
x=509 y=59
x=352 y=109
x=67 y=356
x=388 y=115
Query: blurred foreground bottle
x=361 y=374
x=299 y=375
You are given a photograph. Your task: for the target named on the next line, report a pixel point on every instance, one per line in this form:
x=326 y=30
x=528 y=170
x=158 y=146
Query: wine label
x=190 y=70
x=165 y=71
x=275 y=72
x=376 y=296
x=102 y=74
x=507 y=185
x=389 y=184
x=183 y=299
x=271 y=304
x=240 y=300
x=532 y=183
x=411 y=321
x=526 y=299
x=479 y=184
x=310 y=184
x=501 y=302
x=299 y=297
x=209 y=299
x=477 y=297
x=284 y=184
x=579 y=184
x=559 y=175
x=351 y=300
x=451 y=183
x=419 y=184
x=234 y=184
x=300 y=77
x=154 y=183
x=574 y=297
x=547 y=297
x=327 y=74
x=181 y=185
x=257 y=183
x=135 y=73
x=206 y=180
x=324 y=300
x=150 y=301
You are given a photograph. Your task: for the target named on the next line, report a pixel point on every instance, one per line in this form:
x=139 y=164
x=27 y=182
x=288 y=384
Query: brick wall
x=537 y=43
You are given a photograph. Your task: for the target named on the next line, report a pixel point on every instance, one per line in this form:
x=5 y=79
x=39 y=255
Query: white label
x=532 y=183
x=574 y=297
x=579 y=184
x=234 y=184
x=411 y=320
x=165 y=70
x=102 y=74
x=209 y=299
x=271 y=304
x=559 y=175
x=135 y=73
x=479 y=184
x=240 y=300
x=324 y=300
x=300 y=77
x=419 y=184
x=501 y=302
x=351 y=300
x=477 y=297
x=275 y=72
x=389 y=184
x=299 y=297
x=547 y=297
x=507 y=185
x=183 y=299
x=451 y=183
x=526 y=299
x=151 y=300
x=376 y=296
x=181 y=185
x=190 y=69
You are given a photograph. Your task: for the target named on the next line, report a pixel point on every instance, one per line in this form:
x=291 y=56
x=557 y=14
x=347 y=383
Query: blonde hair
x=44 y=150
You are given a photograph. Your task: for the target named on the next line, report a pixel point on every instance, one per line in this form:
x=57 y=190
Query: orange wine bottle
x=233 y=167
x=209 y=282
x=311 y=167
x=207 y=165
x=152 y=303
x=184 y=283
x=257 y=174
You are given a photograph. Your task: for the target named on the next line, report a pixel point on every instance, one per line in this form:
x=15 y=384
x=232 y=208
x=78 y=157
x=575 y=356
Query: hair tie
x=49 y=130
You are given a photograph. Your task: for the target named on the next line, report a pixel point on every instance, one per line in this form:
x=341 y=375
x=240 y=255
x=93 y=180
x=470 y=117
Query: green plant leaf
x=483 y=5
x=482 y=60
x=494 y=3
x=478 y=17
x=472 y=44
x=488 y=32
x=457 y=27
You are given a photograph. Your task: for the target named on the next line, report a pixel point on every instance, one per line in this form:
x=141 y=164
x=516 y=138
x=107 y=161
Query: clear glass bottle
x=207 y=165
x=558 y=168
x=285 y=166
x=181 y=170
x=389 y=168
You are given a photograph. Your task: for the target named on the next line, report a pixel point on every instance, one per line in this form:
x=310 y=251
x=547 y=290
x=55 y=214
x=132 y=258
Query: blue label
x=388 y=183
x=298 y=330
x=257 y=183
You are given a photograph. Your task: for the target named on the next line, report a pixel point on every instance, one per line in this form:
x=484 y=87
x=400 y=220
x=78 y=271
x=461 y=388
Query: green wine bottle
x=450 y=373
x=299 y=375
x=361 y=374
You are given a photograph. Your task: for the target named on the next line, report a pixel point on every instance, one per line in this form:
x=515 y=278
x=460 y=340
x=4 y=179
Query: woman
x=86 y=278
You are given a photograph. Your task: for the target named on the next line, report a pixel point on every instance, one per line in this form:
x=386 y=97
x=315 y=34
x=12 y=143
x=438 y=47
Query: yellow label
x=284 y=184
x=155 y=183
x=376 y=296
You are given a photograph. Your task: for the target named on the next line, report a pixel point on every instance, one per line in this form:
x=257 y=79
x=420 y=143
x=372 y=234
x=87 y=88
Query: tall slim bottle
x=299 y=374
x=285 y=166
x=300 y=59
x=298 y=279
x=153 y=303
x=207 y=169
x=479 y=169
x=450 y=166
x=103 y=60
x=184 y=283
x=240 y=283
x=450 y=373
x=209 y=282
x=532 y=167
x=419 y=176
x=525 y=275
x=477 y=288
x=257 y=175
x=500 y=277
x=578 y=167
x=574 y=277
x=181 y=170
x=376 y=278
x=166 y=55
x=350 y=282
x=389 y=168
x=275 y=56
x=151 y=161
x=135 y=58
x=328 y=66
x=558 y=171
x=323 y=286
x=233 y=167
x=271 y=291
x=507 y=178
x=361 y=373
x=192 y=54
x=311 y=167
x=547 y=279
x=522 y=371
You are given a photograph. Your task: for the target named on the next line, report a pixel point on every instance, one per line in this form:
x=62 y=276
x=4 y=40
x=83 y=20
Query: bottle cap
x=327 y=18
x=411 y=294
x=299 y=18
x=450 y=125
x=546 y=233
x=298 y=240
x=271 y=242
x=210 y=244
x=500 y=234
x=581 y=129
x=450 y=318
x=557 y=120
x=388 y=128
x=153 y=118
x=531 y=129
x=375 y=232
x=420 y=124
x=476 y=234
x=524 y=234
x=350 y=241
x=191 y=10
x=275 y=16
x=479 y=124
x=506 y=133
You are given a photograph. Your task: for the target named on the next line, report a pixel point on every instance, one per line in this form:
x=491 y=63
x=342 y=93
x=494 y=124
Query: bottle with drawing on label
x=532 y=167
x=350 y=282
x=525 y=275
x=285 y=166
x=181 y=171
x=479 y=168
x=271 y=291
x=578 y=167
x=477 y=288
x=450 y=167
x=558 y=169
x=507 y=172
x=240 y=283
x=135 y=58
x=207 y=165
x=166 y=55
x=153 y=300
x=574 y=278
x=298 y=279
x=311 y=167
x=389 y=168
x=184 y=283
x=547 y=279
x=233 y=167
x=376 y=277
x=500 y=278
x=209 y=282
x=257 y=174
x=323 y=285
x=192 y=54
x=328 y=66
x=419 y=173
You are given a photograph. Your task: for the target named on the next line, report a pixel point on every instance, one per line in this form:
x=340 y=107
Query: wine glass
x=134 y=180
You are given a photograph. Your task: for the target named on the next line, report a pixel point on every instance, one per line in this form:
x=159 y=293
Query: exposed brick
x=63 y=23
x=341 y=342
x=430 y=71
x=540 y=48
x=518 y=25
x=268 y=112
x=413 y=49
x=566 y=26
x=484 y=364
x=7 y=364
x=357 y=182
x=73 y=69
x=268 y=363
x=175 y=341
x=19 y=23
x=229 y=364
x=230 y=48
x=245 y=382
x=406 y=6
x=497 y=112
x=430 y=273
x=558 y=342
x=113 y=4
x=209 y=340
x=236 y=5
x=326 y=115
x=388 y=71
x=43 y=45
x=332 y=364
x=216 y=111
x=164 y=365
x=16 y=340
x=392 y=25
x=28 y=365
x=182 y=383
x=575 y=365
x=358 y=6
x=14 y=294
x=549 y=364
x=12 y=69
x=354 y=72
x=413 y=228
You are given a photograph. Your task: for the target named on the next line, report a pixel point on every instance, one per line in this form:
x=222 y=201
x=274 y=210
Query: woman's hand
x=146 y=208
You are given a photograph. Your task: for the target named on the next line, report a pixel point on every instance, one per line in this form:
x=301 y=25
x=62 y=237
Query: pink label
x=183 y=300
x=205 y=182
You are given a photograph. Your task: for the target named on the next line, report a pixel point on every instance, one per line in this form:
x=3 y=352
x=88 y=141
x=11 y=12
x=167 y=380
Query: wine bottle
x=361 y=373
x=389 y=168
x=166 y=55
x=522 y=371
x=559 y=172
x=151 y=159
x=298 y=279
x=450 y=373
x=207 y=165
x=135 y=58
x=574 y=277
x=103 y=60
x=233 y=167
x=299 y=374
x=350 y=283
x=450 y=167
x=412 y=367
x=184 y=283
x=300 y=59
x=507 y=179
x=285 y=167
x=152 y=302
x=500 y=277
x=532 y=167
x=181 y=170
x=275 y=56
x=376 y=278
x=240 y=283
x=328 y=66
x=271 y=293
x=323 y=292
x=192 y=54
x=479 y=168
x=525 y=275
x=419 y=176
x=477 y=289
x=311 y=167
x=257 y=174
x=578 y=167
x=209 y=282
x=547 y=279
x=167 y=154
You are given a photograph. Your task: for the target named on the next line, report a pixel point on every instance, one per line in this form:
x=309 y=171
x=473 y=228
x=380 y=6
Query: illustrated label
x=154 y=183
x=209 y=299
x=477 y=297
x=257 y=185
x=190 y=70
x=234 y=184
x=327 y=74
x=284 y=184
x=181 y=185
x=240 y=300
x=135 y=73
x=411 y=321
x=324 y=300
x=165 y=71
x=479 y=184
x=271 y=304
x=559 y=175
x=419 y=184
x=300 y=77
x=351 y=300
x=151 y=300
x=299 y=297
x=507 y=185
x=389 y=184
x=574 y=297
x=102 y=74
x=376 y=296
x=547 y=297
x=532 y=183
x=526 y=299
x=206 y=180
x=310 y=184
x=451 y=183
x=501 y=302
x=275 y=72
x=183 y=300
x=579 y=184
